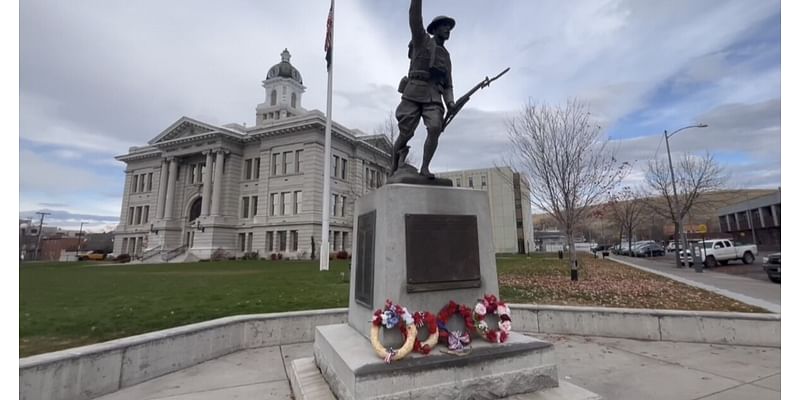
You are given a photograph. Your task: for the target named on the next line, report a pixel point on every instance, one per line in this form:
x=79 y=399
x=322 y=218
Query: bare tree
x=694 y=176
x=389 y=128
x=627 y=209
x=569 y=164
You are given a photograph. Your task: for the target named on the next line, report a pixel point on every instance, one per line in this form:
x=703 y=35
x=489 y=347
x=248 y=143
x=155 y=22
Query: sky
x=100 y=76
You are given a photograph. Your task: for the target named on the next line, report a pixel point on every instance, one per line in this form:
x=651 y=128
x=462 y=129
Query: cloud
x=72 y=221
x=100 y=77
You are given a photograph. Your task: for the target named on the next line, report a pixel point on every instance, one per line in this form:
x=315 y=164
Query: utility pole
x=39 y=236
x=80 y=234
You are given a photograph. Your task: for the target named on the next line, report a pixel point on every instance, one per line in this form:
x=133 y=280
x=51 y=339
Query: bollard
x=574 y=271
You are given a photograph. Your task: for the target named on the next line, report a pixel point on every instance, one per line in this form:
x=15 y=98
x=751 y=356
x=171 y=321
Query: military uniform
x=429 y=79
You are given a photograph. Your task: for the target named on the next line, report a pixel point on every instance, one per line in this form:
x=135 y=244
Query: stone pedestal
x=490 y=371
x=420 y=246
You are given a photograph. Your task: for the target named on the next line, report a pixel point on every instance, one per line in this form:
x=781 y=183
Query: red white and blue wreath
x=457 y=341
x=391 y=316
x=428 y=320
x=490 y=305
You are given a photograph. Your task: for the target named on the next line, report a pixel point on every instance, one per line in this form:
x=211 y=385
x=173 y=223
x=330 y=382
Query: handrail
x=169 y=255
x=151 y=252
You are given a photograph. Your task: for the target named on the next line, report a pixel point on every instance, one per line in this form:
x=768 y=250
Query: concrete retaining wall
x=91 y=371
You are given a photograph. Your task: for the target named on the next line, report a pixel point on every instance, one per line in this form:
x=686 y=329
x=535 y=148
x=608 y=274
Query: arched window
x=294 y=100
x=273 y=98
x=194 y=210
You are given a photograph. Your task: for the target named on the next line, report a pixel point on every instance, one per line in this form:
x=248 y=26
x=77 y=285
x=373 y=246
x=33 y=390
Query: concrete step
x=308 y=384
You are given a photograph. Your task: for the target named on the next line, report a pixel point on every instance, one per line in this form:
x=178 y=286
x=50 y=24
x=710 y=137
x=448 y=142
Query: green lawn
x=64 y=305
x=69 y=304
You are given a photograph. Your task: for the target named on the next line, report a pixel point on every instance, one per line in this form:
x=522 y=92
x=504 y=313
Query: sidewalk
x=762 y=294
x=619 y=369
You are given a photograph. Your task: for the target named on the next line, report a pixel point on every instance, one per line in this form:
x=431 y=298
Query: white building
x=509 y=200
x=197 y=188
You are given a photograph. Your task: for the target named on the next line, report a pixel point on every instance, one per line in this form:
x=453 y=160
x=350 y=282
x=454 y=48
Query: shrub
x=342 y=255
x=253 y=255
x=218 y=255
x=276 y=256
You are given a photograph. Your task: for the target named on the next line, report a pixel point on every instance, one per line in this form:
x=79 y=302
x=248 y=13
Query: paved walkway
x=764 y=294
x=618 y=369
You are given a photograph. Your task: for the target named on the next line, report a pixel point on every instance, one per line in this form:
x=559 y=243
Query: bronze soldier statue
x=429 y=80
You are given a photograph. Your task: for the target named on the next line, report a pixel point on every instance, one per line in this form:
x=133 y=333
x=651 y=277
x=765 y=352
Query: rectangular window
x=273 y=204
x=470 y=182
x=297 y=161
x=336 y=241
x=293 y=240
x=245 y=207
x=249 y=241
x=254 y=202
x=141 y=182
x=257 y=168
x=241 y=241
x=146 y=213
x=344 y=169
x=130 y=216
x=138 y=215
x=483 y=181
x=124 y=246
x=458 y=182
x=286 y=158
x=335 y=166
x=298 y=202
x=343 y=205
x=334 y=200
x=135 y=184
x=281 y=240
x=149 y=181
x=275 y=164
x=269 y=241
x=286 y=205
x=344 y=240
x=248 y=169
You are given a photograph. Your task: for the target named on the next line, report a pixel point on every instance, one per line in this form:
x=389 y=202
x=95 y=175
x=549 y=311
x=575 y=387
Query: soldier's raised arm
x=415 y=22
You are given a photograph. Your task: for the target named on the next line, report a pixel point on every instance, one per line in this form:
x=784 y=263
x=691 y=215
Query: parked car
x=772 y=266
x=649 y=250
x=600 y=247
x=714 y=252
x=93 y=256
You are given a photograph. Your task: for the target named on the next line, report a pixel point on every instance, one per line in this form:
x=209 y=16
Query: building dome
x=284 y=69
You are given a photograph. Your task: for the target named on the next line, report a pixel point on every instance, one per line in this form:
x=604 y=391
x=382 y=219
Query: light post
x=697 y=268
x=80 y=234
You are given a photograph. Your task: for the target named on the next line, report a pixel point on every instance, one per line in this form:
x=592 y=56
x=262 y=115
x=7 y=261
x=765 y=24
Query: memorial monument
x=425 y=248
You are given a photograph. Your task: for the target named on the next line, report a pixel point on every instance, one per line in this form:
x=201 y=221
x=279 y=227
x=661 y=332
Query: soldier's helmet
x=442 y=19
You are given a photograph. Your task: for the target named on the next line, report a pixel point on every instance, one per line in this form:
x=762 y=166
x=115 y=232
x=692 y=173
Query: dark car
x=773 y=267
x=649 y=250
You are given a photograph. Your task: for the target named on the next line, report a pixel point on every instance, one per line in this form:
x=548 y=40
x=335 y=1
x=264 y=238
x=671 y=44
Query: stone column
x=162 y=188
x=173 y=171
x=205 y=206
x=774 y=215
x=216 y=208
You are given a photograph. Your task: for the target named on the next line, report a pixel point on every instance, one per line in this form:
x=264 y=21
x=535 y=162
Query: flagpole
x=324 y=251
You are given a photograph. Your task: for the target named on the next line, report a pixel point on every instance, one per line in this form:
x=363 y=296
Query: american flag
x=329 y=38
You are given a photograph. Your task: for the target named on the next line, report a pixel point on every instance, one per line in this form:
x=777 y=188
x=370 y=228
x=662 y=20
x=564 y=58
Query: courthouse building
x=197 y=187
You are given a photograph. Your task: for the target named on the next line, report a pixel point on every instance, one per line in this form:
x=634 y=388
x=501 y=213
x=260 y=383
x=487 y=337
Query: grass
x=70 y=304
x=65 y=305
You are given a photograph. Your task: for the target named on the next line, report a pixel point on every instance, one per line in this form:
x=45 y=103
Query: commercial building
x=509 y=200
x=755 y=221
x=199 y=189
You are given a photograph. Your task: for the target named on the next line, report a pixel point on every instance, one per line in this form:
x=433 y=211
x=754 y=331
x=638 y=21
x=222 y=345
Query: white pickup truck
x=714 y=252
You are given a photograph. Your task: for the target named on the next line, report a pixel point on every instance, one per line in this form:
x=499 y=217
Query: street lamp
x=697 y=268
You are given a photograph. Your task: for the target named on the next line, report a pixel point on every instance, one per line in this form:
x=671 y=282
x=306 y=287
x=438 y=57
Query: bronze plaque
x=365 y=259
x=442 y=252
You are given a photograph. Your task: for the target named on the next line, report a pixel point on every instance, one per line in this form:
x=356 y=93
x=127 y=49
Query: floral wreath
x=427 y=320
x=390 y=316
x=490 y=305
x=455 y=340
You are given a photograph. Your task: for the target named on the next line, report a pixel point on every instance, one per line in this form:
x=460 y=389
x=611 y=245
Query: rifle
x=451 y=113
